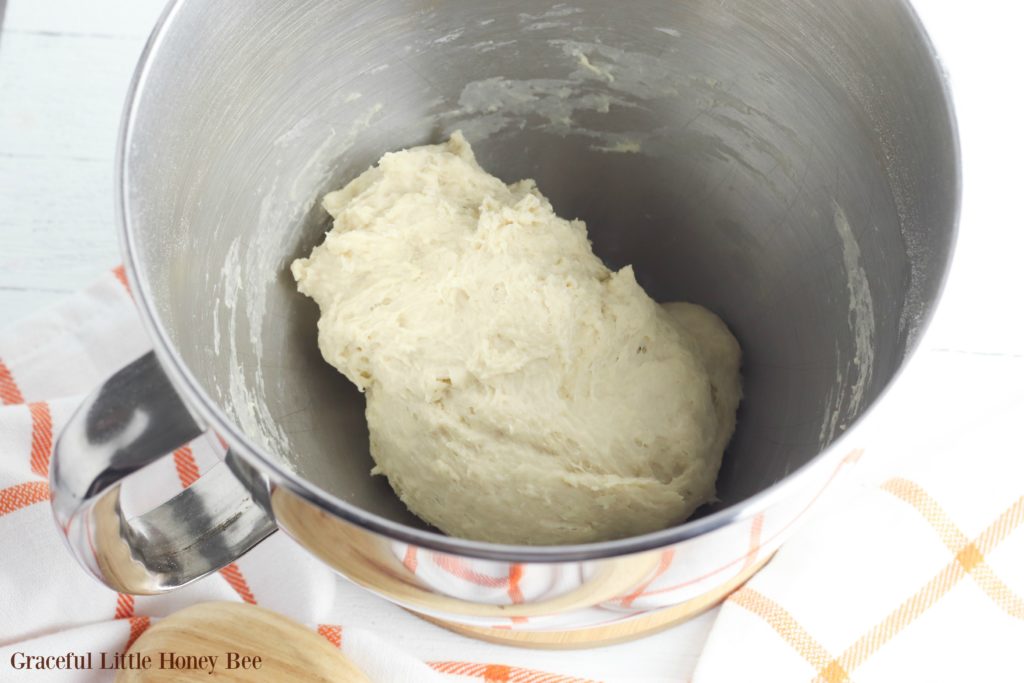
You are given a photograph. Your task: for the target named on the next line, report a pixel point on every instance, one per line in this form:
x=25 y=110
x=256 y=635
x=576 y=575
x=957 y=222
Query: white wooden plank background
x=64 y=67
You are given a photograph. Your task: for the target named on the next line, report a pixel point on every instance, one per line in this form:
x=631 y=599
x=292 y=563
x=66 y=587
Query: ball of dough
x=517 y=390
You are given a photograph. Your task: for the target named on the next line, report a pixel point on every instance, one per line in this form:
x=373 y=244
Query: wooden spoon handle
x=237 y=642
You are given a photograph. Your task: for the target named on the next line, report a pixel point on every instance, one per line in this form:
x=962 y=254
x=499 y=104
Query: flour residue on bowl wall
x=852 y=379
x=600 y=77
x=594 y=78
x=251 y=268
x=244 y=404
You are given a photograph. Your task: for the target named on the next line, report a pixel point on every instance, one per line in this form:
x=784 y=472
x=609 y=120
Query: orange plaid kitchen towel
x=917 y=575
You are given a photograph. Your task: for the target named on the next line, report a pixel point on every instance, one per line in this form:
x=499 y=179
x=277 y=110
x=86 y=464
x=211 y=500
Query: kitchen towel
x=912 y=571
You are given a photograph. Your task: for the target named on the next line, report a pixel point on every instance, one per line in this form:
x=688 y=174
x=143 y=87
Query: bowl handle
x=133 y=419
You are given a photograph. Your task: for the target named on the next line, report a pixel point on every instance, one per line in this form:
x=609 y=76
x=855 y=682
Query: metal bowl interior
x=793 y=166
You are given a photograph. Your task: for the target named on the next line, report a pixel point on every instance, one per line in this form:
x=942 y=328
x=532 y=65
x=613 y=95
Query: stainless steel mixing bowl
x=792 y=165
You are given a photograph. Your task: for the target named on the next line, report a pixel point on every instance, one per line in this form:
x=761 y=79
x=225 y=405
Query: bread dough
x=517 y=390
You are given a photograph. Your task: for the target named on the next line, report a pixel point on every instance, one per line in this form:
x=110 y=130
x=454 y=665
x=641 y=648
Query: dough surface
x=517 y=390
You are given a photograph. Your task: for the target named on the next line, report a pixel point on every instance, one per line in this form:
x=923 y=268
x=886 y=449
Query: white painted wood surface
x=64 y=68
